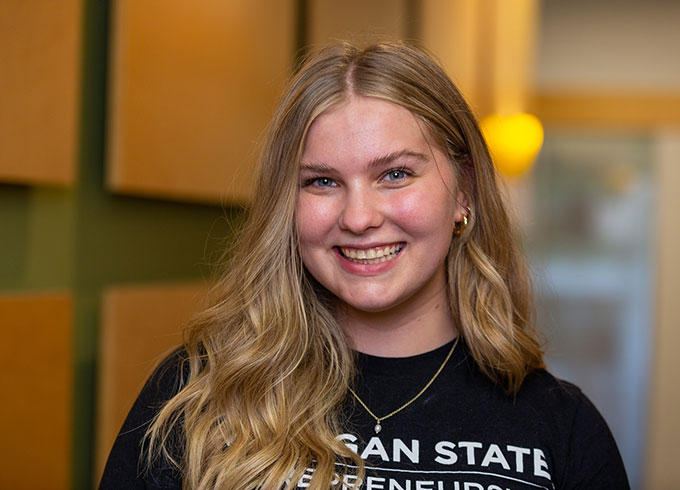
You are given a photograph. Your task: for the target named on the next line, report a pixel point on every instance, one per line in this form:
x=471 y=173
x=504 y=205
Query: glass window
x=589 y=243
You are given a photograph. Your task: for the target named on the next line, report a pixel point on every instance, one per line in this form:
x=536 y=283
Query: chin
x=379 y=305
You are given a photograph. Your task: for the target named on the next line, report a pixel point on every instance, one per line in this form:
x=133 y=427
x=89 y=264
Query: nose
x=361 y=211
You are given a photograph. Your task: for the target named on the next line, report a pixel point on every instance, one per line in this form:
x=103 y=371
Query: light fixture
x=514 y=141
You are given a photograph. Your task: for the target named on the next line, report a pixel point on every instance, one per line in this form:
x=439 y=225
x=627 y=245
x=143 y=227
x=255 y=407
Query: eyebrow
x=390 y=157
x=379 y=161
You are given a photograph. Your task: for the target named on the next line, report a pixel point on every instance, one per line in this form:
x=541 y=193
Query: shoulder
x=544 y=405
x=124 y=465
x=543 y=388
x=589 y=454
x=168 y=377
x=554 y=417
x=560 y=406
x=540 y=391
x=561 y=399
x=543 y=398
x=165 y=382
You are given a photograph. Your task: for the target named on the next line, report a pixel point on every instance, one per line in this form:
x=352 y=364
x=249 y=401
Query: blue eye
x=324 y=182
x=396 y=174
x=319 y=182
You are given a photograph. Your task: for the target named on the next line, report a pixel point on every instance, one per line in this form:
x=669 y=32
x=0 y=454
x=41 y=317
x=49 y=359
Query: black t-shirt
x=462 y=433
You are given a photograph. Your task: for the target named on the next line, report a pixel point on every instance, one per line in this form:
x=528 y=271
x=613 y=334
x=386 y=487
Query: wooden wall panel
x=39 y=84
x=357 y=20
x=663 y=428
x=140 y=325
x=608 y=110
x=193 y=85
x=450 y=29
x=36 y=383
x=486 y=46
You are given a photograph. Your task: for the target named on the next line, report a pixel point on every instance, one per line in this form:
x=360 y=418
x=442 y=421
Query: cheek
x=313 y=219
x=427 y=214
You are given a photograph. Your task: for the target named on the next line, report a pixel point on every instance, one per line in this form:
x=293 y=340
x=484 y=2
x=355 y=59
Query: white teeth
x=371 y=255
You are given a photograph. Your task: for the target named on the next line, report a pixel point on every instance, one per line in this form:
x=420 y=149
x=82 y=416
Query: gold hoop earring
x=459 y=226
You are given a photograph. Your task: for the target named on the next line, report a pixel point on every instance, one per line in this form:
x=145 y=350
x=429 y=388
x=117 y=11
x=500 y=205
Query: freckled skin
x=411 y=199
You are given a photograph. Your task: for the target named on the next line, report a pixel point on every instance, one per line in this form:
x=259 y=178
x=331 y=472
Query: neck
x=402 y=331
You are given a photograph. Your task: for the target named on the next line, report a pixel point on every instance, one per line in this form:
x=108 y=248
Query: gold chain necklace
x=378 y=427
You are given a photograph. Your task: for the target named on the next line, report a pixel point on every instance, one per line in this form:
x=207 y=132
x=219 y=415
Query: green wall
x=83 y=238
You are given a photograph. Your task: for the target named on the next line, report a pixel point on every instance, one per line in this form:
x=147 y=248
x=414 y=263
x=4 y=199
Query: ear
x=466 y=187
x=462 y=204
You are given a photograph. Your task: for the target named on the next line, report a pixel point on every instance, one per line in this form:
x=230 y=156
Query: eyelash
x=312 y=180
x=403 y=170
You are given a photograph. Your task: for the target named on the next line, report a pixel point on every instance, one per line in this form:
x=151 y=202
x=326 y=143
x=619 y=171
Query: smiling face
x=376 y=207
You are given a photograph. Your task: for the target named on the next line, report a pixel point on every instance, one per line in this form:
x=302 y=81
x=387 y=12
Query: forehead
x=360 y=127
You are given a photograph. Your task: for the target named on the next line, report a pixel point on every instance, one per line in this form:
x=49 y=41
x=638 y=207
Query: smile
x=374 y=255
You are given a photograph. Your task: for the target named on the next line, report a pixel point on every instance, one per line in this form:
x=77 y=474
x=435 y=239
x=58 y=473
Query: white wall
x=629 y=45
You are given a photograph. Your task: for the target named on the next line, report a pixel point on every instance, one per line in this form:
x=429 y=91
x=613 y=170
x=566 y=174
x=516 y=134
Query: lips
x=373 y=255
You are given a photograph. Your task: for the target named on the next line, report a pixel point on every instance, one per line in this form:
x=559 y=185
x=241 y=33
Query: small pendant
x=377 y=428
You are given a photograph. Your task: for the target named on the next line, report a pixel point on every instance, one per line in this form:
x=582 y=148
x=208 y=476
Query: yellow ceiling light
x=514 y=141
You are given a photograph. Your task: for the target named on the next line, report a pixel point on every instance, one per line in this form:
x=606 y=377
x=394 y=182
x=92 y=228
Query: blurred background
x=127 y=136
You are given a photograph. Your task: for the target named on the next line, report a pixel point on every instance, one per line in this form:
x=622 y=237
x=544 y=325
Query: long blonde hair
x=268 y=364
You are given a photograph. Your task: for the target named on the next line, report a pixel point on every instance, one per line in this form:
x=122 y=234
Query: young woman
x=374 y=327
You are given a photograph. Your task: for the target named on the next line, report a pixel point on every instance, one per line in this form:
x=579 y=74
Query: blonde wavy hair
x=268 y=365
